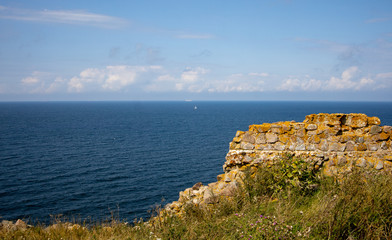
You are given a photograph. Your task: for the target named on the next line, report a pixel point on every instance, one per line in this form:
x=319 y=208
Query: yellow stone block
x=361 y=147
x=374 y=121
x=388 y=158
x=253 y=128
x=263 y=127
x=382 y=136
x=284 y=138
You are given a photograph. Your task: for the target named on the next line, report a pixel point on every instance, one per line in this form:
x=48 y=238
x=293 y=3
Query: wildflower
x=261 y=216
x=251 y=224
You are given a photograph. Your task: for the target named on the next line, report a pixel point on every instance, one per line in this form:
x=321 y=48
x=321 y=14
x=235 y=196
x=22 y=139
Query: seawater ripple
x=88 y=159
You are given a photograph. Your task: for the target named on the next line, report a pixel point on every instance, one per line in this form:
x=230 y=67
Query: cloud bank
x=155 y=78
x=76 y=17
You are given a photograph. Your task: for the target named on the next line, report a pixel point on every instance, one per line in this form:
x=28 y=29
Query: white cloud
x=237 y=83
x=384 y=75
x=62 y=16
x=42 y=82
x=111 y=78
x=345 y=82
x=258 y=74
x=35 y=78
x=197 y=80
x=30 y=80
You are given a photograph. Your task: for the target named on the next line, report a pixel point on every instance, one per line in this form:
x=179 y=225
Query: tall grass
x=287 y=200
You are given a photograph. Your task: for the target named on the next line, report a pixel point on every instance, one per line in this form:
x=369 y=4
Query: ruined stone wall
x=333 y=143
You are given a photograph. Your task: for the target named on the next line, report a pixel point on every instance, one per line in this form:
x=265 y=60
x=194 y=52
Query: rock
x=380 y=165
x=311 y=127
x=351 y=146
x=361 y=162
x=279 y=146
x=375 y=129
x=372 y=146
x=271 y=138
x=337 y=147
x=209 y=197
x=197 y=186
x=374 y=121
x=261 y=139
x=248 y=138
x=300 y=147
x=247 y=146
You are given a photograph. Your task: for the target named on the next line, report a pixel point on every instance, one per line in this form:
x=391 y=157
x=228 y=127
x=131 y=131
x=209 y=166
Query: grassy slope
x=282 y=202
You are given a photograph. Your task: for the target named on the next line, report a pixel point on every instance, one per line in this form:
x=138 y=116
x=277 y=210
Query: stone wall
x=333 y=143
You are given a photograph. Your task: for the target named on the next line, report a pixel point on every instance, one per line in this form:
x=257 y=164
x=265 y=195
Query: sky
x=289 y=50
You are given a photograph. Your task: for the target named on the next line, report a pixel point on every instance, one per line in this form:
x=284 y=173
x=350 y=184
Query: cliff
x=331 y=143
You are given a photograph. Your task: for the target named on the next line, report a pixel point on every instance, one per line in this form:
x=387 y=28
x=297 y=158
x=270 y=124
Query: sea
x=99 y=160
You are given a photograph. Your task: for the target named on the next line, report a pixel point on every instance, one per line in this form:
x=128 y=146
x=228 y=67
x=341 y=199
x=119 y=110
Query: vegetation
x=284 y=201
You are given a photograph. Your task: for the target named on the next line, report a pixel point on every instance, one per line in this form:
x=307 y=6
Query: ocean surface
x=94 y=159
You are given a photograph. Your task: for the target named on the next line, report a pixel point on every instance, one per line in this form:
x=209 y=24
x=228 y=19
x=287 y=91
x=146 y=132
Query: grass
x=274 y=203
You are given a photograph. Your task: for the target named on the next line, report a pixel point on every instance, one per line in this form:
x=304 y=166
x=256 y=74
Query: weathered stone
x=247 y=137
x=356 y=120
x=375 y=129
x=300 y=132
x=351 y=146
x=311 y=127
x=232 y=145
x=323 y=146
x=342 y=161
x=310 y=147
x=283 y=138
x=374 y=121
x=382 y=136
x=209 y=197
x=337 y=147
x=298 y=126
x=279 y=146
x=197 y=186
x=271 y=137
x=384 y=146
x=360 y=140
x=263 y=127
x=247 y=146
x=361 y=162
x=361 y=147
x=388 y=158
x=387 y=129
x=372 y=146
x=261 y=139
x=275 y=128
x=300 y=147
x=380 y=165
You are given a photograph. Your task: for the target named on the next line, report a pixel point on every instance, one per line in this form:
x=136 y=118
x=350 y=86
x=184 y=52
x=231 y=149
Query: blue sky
x=200 y=50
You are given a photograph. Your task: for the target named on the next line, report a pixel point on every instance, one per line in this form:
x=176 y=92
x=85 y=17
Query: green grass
x=274 y=203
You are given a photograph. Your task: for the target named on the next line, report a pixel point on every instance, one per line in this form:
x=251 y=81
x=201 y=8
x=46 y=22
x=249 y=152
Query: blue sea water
x=90 y=159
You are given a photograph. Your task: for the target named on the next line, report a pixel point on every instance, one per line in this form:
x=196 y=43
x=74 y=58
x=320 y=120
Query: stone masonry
x=333 y=143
